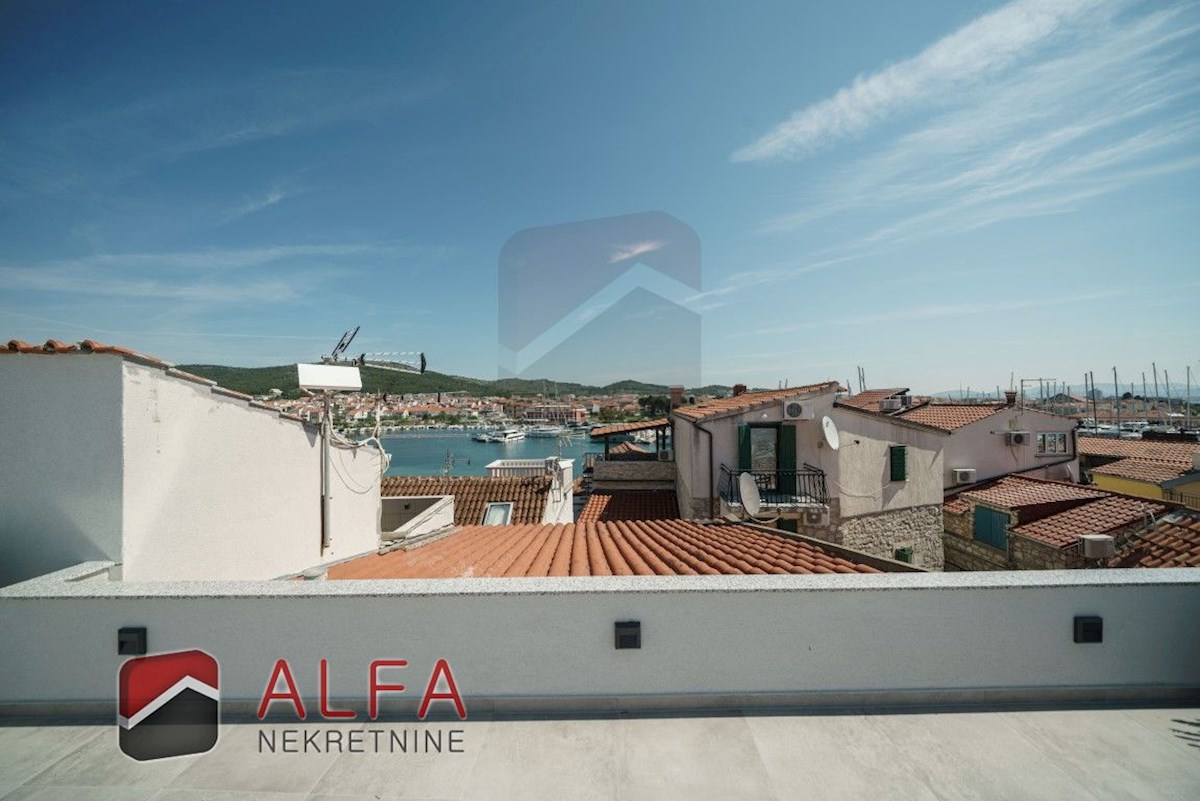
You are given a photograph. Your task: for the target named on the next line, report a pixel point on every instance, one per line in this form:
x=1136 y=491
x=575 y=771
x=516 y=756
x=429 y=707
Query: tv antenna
x=396 y=361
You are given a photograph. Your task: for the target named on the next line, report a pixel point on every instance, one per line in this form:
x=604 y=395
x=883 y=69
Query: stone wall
x=967 y=554
x=918 y=527
x=1029 y=554
x=624 y=475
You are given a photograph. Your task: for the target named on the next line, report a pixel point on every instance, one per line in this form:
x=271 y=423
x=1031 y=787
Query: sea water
x=424 y=453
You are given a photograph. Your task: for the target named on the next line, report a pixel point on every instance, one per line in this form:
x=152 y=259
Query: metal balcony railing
x=805 y=486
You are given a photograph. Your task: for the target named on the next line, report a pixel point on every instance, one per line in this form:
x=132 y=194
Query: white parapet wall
x=705 y=640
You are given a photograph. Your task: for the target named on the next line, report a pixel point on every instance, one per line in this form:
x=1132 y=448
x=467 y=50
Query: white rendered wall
x=691 y=448
x=981 y=445
x=862 y=478
x=700 y=635
x=215 y=489
x=560 y=500
x=60 y=462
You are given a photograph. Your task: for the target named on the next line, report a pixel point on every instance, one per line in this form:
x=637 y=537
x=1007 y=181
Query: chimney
x=676 y=397
x=739 y=389
x=1010 y=397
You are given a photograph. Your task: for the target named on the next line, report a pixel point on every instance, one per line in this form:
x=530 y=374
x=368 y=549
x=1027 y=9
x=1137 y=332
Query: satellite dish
x=831 y=433
x=751 y=500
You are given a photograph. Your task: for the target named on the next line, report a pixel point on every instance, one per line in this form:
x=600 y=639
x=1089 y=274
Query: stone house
x=1019 y=523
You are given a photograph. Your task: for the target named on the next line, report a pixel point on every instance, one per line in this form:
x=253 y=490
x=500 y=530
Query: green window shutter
x=743 y=447
x=898 y=455
x=991 y=527
x=787 y=459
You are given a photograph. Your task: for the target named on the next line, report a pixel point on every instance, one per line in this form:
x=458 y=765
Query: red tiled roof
x=472 y=494
x=630 y=548
x=624 y=428
x=1138 y=448
x=1095 y=517
x=956 y=505
x=54 y=346
x=1152 y=471
x=949 y=416
x=868 y=399
x=748 y=400
x=630 y=505
x=1173 y=541
x=1012 y=492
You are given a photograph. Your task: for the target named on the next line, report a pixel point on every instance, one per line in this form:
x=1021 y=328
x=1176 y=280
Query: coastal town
x=734 y=401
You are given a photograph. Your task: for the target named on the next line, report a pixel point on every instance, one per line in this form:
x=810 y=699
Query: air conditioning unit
x=1097 y=546
x=799 y=410
x=964 y=475
x=816 y=517
x=891 y=404
x=1017 y=438
x=907 y=400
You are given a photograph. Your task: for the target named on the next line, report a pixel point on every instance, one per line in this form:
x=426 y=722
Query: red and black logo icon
x=168 y=705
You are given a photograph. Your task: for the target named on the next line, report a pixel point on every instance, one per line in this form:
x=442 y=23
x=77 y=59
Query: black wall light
x=628 y=634
x=1089 y=628
x=131 y=641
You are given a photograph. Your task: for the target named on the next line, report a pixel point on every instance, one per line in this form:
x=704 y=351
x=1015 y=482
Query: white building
x=987 y=440
x=111 y=455
x=880 y=492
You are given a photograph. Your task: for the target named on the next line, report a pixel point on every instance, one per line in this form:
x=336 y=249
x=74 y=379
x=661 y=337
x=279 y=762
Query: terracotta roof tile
x=625 y=548
x=1152 y=471
x=748 y=400
x=868 y=399
x=55 y=346
x=950 y=416
x=630 y=505
x=624 y=428
x=1095 y=517
x=472 y=494
x=1012 y=492
x=1173 y=541
x=956 y=505
x=1138 y=448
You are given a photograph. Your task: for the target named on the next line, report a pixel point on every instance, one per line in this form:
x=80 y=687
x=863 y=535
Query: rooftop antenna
x=399 y=362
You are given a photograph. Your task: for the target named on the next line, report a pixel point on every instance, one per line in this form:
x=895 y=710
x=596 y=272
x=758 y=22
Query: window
x=898 y=462
x=1051 y=444
x=764 y=449
x=991 y=527
x=497 y=514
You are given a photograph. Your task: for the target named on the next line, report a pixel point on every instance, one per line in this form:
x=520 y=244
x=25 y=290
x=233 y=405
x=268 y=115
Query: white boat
x=546 y=432
x=507 y=435
x=482 y=436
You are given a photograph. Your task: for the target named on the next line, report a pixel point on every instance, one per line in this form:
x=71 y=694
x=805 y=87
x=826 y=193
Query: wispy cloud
x=256 y=204
x=633 y=251
x=49 y=147
x=985 y=46
x=274 y=274
x=1115 y=102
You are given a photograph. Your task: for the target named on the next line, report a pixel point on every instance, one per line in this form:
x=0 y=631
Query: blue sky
x=942 y=192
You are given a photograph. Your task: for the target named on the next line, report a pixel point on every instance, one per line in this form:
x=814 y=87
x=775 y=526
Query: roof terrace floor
x=1144 y=753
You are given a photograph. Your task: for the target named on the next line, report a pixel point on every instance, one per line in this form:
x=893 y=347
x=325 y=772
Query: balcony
x=780 y=490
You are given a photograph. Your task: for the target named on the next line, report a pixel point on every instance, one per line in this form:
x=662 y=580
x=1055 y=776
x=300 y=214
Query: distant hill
x=261 y=380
